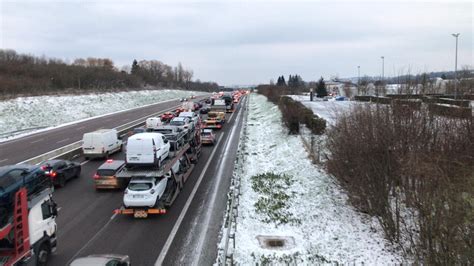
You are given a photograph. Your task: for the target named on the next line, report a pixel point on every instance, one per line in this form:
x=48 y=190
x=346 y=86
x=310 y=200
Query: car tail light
x=96 y=176
x=110 y=161
x=53 y=174
x=43 y=168
x=219 y=126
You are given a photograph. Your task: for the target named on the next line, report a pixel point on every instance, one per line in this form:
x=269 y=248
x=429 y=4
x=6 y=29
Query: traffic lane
x=142 y=240
x=196 y=241
x=83 y=211
x=46 y=141
x=83 y=207
x=42 y=142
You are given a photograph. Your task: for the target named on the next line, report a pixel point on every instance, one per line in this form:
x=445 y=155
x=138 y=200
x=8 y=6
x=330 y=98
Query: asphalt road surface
x=87 y=225
x=21 y=149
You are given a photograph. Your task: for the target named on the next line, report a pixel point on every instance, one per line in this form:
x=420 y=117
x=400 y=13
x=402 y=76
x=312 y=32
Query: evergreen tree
x=135 y=67
x=321 y=88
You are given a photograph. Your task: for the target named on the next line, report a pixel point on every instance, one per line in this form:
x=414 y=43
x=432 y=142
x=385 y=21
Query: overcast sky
x=247 y=42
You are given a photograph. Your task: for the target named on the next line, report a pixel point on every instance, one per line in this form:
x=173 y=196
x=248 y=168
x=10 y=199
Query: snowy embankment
x=26 y=115
x=290 y=210
x=327 y=110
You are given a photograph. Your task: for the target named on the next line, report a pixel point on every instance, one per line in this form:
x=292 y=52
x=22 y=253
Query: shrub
x=412 y=170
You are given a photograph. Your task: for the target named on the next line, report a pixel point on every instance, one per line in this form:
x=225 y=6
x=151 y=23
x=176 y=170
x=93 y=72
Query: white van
x=101 y=143
x=147 y=149
x=153 y=123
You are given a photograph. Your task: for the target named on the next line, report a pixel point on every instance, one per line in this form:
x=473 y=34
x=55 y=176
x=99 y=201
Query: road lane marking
x=35 y=141
x=84 y=162
x=176 y=226
x=4 y=160
x=64 y=140
x=92 y=239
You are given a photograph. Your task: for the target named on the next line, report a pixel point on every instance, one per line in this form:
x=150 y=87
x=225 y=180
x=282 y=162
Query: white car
x=193 y=117
x=144 y=192
x=182 y=122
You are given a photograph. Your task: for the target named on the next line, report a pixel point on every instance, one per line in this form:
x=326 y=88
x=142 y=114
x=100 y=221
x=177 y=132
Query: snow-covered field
x=26 y=115
x=314 y=217
x=328 y=110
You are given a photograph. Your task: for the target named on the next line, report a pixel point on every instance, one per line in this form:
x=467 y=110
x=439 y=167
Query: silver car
x=102 y=260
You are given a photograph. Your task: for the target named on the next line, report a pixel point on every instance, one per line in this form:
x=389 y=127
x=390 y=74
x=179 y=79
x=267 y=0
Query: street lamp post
x=456 y=35
x=358 y=76
x=383 y=66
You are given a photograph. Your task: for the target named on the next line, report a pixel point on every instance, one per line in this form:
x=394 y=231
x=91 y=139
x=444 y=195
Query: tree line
x=23 y=74
x=295 y=81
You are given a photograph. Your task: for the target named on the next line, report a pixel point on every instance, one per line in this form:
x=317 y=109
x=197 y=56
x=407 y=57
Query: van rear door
x=140 y=151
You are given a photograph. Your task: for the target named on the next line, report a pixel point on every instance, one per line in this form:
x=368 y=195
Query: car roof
x=111 y=165
x=146 y=135
x=8 y=168
x=142 y=179
x=180 y=118
x=96 y=259
x=53 y=161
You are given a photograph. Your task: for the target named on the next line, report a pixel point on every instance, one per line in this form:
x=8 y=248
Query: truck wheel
x=42 y=255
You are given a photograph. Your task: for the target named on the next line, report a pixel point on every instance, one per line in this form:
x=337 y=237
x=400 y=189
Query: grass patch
x=274 y=197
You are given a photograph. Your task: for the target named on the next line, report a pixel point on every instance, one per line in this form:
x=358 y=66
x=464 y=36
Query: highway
x=18 y=150
x=186 y=234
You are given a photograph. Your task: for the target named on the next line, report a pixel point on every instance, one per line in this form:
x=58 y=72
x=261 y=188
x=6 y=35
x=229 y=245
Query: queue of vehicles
x=159 y=159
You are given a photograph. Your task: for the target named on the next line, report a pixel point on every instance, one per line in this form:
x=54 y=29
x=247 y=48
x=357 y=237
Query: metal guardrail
x=74 y=149
x=225 y=254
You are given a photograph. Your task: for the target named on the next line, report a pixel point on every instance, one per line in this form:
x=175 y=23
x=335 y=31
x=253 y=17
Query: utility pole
x=383 y=66
x=456 y=35
x=358 y=76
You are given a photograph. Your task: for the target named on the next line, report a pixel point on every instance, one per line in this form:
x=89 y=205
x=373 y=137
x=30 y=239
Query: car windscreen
x=139 y=186
x=105 y=172
x=177 y=123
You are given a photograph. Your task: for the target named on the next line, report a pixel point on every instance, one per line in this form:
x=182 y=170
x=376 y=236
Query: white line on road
x=84 y=162
x=4 y=160
x=35 y=141
x=90 y=240
x=176 y=226
x=64 y=140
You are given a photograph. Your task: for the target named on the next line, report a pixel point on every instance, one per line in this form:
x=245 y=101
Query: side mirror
x=53 y=208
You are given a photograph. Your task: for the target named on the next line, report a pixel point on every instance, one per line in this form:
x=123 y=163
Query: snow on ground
x=325 y=228
x=328 y=110
x=28 y=114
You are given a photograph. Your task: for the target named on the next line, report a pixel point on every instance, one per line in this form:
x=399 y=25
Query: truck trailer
x=29 y=235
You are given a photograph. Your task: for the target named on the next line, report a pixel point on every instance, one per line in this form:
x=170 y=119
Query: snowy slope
x=328 y=110
x=328 y=231
x=49 y=111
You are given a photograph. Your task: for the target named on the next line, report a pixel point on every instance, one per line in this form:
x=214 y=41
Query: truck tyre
x=42 y=255
x=61 y=181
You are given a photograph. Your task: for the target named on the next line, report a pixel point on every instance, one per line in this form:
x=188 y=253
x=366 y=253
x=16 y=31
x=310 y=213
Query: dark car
x=99 y=260
x=205 y=109
x=105 y=177
x=14 y=177
x=61 y=170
